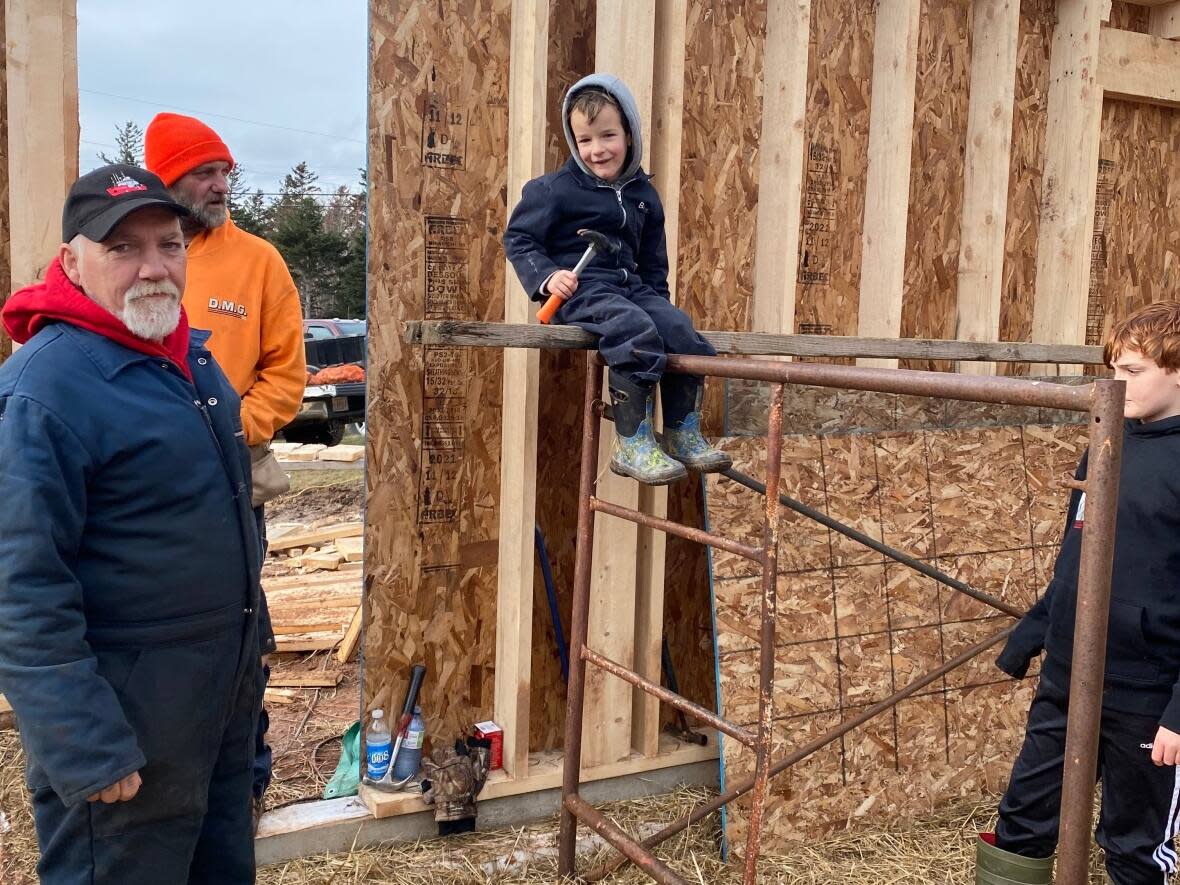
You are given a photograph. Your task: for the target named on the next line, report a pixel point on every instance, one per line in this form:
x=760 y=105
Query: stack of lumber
x=318 y=607
x=294 y=452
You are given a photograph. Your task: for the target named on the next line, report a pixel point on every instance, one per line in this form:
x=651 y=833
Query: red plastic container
x=491 y=731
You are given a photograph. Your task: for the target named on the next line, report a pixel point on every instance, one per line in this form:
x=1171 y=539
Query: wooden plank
x=627 y=49
x=329 y=679
x=352 y=637
x=1140 y=67
x=666 y=136
x=780 y=170
x=341 y=453
x=1068 y=183
x=353 y=549
x=1165 y=21
x=301 y=629
x=995 y=38
x=288 y=581
x=545 y=774
x=760 y=344
x=319 y=536
x=285 y=646
x=42 y=83
x=527 y=91
x=308 y=452
x=328 y=561
x=895 y=63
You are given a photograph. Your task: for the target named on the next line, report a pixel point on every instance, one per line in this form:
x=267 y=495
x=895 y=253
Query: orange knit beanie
x=175 y=145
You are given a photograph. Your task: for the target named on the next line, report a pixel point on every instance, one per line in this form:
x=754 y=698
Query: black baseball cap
x=99 y=200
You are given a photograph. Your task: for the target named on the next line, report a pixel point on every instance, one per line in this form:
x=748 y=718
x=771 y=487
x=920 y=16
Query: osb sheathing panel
x=571 y=56
x=1137 y=254
x=5 y=244
x=438 y=135
x=839 y=78
x=719 y=168
x=936 y=174
x=983 y=505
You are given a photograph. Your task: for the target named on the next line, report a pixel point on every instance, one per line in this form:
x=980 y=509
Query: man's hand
x=120 y=791
x=1165 y=750
x=563 y=283
x=266 y=660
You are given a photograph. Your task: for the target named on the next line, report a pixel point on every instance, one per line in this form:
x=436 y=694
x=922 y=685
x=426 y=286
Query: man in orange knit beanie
x=240 y=289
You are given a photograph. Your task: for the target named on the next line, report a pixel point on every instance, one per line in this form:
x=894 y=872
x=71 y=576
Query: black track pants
x=1139 y=799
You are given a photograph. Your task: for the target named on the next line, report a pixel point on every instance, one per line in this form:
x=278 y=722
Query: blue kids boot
x=682 y=426
x=637 y=454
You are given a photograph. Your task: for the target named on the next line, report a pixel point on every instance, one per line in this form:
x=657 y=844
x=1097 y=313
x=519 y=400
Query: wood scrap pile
x=313 y=583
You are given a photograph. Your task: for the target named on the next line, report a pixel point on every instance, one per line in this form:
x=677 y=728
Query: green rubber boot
x=637 y=454
x=995 y=866
x=682 y=426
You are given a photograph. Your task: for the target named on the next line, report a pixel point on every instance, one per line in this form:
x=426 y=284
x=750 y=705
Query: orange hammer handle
x=545 y=314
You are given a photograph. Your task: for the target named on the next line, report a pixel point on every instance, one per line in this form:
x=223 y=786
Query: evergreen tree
x=313 y=253
x=253 y=215
x=128 y=145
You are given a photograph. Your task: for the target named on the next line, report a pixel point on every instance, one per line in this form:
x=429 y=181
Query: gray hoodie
x=617 y=88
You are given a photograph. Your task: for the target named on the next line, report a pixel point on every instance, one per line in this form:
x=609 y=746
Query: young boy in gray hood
x=622 y=296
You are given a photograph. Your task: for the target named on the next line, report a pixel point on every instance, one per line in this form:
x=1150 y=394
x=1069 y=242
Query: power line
x=223 y=116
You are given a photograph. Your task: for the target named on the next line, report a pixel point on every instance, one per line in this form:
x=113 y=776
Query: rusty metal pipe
x=632 y=850
x=675 y=528
x=1090 y=628
x=861 y=538
x=976 y=388
x=774 y=470
x=575 y=691
x=668 y=696
x=740 y=789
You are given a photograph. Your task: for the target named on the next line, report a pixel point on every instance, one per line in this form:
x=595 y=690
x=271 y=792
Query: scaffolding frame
x=1103 y=399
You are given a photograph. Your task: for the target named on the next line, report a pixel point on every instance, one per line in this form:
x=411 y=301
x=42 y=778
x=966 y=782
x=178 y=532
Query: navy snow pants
x=190 y=823
x=636 y=326
x=1139 y=799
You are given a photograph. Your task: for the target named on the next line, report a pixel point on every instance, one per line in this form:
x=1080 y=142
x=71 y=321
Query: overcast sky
x=297 y=66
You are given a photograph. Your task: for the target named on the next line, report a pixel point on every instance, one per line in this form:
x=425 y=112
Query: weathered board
x=438 y=133
x=980 y=503
x=571 y=56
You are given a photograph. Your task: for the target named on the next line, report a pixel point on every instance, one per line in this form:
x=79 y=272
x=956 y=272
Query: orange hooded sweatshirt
x=240 y=289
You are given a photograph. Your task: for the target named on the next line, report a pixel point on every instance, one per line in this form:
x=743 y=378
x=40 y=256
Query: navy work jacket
x=127 y=541
x=542 y=234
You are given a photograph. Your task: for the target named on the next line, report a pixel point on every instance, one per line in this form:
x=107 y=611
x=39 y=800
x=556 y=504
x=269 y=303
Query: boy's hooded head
x=597 y=100
x=601 y=135
x=1144 y=351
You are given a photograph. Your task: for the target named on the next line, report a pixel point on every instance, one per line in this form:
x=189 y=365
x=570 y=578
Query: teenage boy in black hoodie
x=1139 y=745
x=622 y=297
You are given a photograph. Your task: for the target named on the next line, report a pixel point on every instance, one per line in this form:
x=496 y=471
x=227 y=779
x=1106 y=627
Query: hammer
x=598 y=243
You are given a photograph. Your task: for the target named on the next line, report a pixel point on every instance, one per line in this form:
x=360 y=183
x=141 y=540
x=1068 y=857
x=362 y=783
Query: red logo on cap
x=124 y=184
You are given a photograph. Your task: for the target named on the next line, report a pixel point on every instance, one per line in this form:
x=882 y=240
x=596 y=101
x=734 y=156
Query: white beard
x=152 y=319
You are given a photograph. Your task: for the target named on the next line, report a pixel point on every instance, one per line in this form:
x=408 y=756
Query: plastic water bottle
x=409 y=757
x=378 y=743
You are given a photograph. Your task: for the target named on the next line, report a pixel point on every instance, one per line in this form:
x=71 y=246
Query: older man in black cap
x=129 y=557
